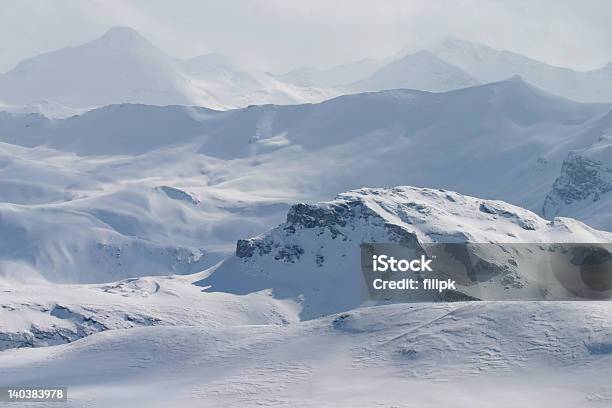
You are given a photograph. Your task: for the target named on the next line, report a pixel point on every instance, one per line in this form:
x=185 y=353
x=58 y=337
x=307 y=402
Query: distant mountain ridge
x=122 y=66
x=421 y=70
x=467 y=64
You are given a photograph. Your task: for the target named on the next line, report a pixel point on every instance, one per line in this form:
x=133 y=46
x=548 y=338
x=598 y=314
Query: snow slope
x=421 y=70
x=585 y=181
x=185 y=183
x=37 y=315
x=104 y=219
x=157 y=341
x=307 y=267
x=336 y=76
x=487 y=65
x=461 y=355
x=454 y=63
x=122 y=66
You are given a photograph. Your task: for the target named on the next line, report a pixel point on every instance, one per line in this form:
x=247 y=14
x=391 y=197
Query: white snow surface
x=122 y=66
x=147 y=190
x=38 y=315
x=121 y=277
x=411 y=355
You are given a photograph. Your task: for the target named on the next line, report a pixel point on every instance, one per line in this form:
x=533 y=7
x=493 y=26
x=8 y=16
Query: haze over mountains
x=454 y=63
x=122 y=66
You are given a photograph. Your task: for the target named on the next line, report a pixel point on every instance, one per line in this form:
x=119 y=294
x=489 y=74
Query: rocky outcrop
x=585 y=178
x=314 y=257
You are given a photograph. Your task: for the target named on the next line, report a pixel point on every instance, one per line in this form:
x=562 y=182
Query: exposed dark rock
x=289 y=254
x=245 y=248
x=581 y=179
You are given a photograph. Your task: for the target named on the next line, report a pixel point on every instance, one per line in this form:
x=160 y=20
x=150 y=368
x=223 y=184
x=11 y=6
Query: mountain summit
x=421 y=70
x=123 y=66
x=120 y=66
x=123 y=34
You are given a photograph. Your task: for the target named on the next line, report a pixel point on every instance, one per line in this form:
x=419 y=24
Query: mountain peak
x=517 y=78
x=121 y=32
x=421 y=55
x=518 y=82
x=122 y=36
x=458 y=43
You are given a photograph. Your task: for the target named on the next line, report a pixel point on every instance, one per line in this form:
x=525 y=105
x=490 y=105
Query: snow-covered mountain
x=249 y=345
x=487 y=65
x=454 y=63
x=421 y=70
x=185 y=183
x=122 y=66
x=314 y=257
x=336 y=76
x=584 y=185
x=166 y=231
x=306 y=267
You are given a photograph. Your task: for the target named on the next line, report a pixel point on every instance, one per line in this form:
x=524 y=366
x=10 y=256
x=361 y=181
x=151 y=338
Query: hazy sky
x=278 y=35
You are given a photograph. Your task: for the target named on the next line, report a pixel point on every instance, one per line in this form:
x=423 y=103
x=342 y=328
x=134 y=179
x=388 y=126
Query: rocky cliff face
x=314 y=257
x=586 y=178
x=581 y=179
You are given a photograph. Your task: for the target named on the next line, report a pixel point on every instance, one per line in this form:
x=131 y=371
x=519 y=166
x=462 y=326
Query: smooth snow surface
x=419 y=355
